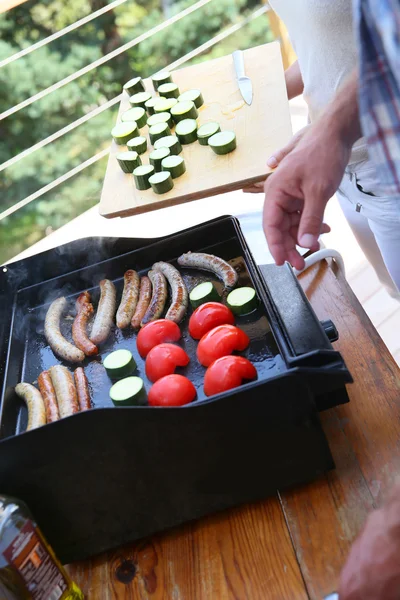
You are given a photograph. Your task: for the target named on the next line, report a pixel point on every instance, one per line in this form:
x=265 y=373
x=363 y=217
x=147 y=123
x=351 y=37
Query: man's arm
x=294 y=81
x=372 y=570
x=297 y=193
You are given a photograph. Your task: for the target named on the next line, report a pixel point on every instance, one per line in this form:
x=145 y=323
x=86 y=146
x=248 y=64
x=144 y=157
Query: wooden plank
x=241 y=553
x=364 y=437
x=260 y=129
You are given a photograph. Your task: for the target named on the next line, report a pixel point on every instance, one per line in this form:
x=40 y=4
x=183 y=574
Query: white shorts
x=375 y=222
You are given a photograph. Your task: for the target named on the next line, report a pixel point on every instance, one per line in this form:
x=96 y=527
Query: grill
x=108 y=476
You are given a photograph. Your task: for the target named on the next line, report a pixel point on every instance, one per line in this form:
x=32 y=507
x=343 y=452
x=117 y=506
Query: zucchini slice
x=160 y=78
x=140 y=99
x=157 y=156
x=165 y=105
x=186 y=131
x=193 y=95
x=164 y=117
x=158 y=131
x=168 y=90
x=137 y=144
x=119 y=364
x=136 y=114
x=202 y=293
x=123 y=132
x=206 y=131
x=242 y=300
x=151 y=102
x=223 y=142
x=134 y=86
x=142 y=175
x=184 y=110
x=128 y=161
x=161 y=182
x=128 y=392
x=174 y=165
x=171 y=142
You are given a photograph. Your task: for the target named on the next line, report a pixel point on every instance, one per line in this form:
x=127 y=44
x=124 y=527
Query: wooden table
x=292 y=546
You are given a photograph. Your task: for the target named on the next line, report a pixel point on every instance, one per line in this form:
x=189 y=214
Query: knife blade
x=244 y=83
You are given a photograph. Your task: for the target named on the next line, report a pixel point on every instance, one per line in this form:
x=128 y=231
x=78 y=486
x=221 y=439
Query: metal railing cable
x=104 y=59
x=62 y=32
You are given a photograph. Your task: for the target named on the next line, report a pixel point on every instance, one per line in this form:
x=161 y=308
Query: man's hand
x=372 y=570
x=297 y=193
x=277 y=158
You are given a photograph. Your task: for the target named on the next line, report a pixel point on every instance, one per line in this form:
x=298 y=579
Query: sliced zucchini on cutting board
x=169 y=90
x=194 y=96
x=184 y=110
x=223 y=142
x=136 y=114
x=142 y=175
x=140 y=99
x=123 y=132
x=128 y=161
x=175 y=165
x=160 y=78
x=186 y=131
x=206 y=131
x=171 y=142
x=164 y=117
x=164 y=105
x=133 y=86
x=151 y=103
x=137 y=144
x=157 y=131
x=161 y=182
x=157 y=156
x=119 y=364
x=128 y=392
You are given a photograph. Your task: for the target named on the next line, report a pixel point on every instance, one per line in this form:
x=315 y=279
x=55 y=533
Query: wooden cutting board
x=260 y=129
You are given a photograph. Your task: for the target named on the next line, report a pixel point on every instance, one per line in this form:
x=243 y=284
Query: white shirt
x=321 y=32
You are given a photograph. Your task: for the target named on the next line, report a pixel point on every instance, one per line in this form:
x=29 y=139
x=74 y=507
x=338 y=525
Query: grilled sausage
x=64 y=387
x=180 y=297
x=209 y=262
x=129 y=299
x=84 y=310
x=49 y=397
x=34 y=403
x=56 y=340
x=82 y=389
x=158 y=298
x=105 y=312
x=143 y=302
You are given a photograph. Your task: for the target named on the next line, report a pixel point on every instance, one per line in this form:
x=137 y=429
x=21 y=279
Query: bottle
x=29 y=569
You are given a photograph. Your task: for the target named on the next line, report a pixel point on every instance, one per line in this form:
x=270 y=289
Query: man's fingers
x=256 y=188
x=311 y=223
x=279 y=155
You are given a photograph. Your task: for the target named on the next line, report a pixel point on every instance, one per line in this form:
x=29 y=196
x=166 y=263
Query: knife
x=244 y=83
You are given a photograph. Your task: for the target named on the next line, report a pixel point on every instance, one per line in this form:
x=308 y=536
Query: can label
x=29 y=555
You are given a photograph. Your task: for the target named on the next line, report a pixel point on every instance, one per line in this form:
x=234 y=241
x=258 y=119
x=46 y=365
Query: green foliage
x=37 y=19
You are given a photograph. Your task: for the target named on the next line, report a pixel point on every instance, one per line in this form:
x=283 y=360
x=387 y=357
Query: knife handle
x=238 y=61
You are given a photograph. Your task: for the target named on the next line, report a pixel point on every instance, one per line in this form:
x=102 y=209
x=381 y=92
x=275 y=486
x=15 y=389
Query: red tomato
x=207 y=316
x=163 y=359
x=172 y=390
x=227 y=373
x=155 y=333
x=220 y=341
